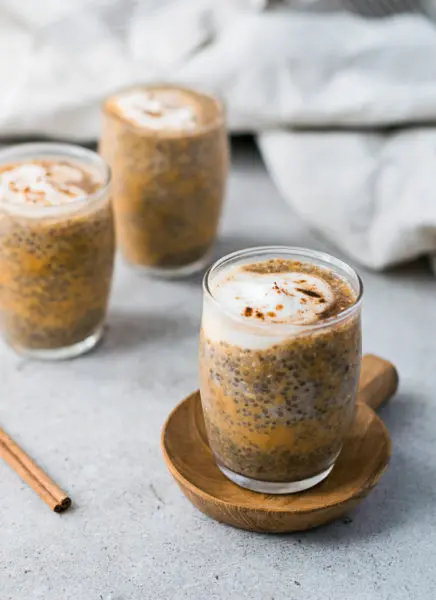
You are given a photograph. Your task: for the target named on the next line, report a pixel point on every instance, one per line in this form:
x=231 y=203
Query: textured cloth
x=371 y=193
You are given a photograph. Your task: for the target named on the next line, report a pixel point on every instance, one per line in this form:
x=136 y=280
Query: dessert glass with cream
x=279 y=361
x=168 y=151
x=57 y=249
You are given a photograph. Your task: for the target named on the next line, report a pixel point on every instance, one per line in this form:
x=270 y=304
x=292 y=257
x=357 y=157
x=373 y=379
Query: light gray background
x=94 y=424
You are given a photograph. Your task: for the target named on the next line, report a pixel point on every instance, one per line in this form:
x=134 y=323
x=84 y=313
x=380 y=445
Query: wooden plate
x=363 y=460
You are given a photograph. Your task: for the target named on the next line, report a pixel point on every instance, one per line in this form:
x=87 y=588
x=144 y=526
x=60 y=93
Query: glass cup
x=56 y=261
x=168 y=184
x=278 y=399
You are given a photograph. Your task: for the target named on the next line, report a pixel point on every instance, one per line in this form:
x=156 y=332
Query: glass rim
x=300 y=252
x=17 y=152
x=216 y=123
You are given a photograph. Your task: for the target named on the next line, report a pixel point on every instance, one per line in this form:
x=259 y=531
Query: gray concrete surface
x=94 y=424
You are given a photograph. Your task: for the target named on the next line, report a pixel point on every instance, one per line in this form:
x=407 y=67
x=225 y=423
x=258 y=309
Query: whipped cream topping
x=270 y=300
x=275 y=298
x=40 y=184
x=157 y=110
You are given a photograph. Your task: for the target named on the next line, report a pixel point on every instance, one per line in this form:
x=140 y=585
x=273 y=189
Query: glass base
x=274 y=487
x=173 y=272
x=64 y=353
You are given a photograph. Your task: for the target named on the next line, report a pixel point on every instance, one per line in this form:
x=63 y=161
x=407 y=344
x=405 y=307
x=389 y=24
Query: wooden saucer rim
x=370 y=483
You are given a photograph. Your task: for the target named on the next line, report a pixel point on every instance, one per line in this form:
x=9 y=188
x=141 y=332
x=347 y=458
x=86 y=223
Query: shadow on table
x=131 y=330
x=406 y=492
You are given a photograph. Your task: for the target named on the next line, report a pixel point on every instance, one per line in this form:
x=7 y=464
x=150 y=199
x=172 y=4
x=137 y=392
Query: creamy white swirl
x=157 y=110
x=271 y=300
x=41 y=184
x=292 y=298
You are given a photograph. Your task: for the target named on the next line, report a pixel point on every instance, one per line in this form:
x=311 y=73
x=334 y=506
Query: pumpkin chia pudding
x=280 y=353
x=56 y=249
x=168 y=151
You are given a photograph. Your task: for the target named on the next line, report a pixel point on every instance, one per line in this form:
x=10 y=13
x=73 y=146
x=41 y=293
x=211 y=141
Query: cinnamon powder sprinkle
x=281 y=290
x=248 y=311
x=279 y=307
x=153 y=113
x=311 y=293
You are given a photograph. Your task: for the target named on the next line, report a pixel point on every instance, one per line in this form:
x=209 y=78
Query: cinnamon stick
x=28 y=470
